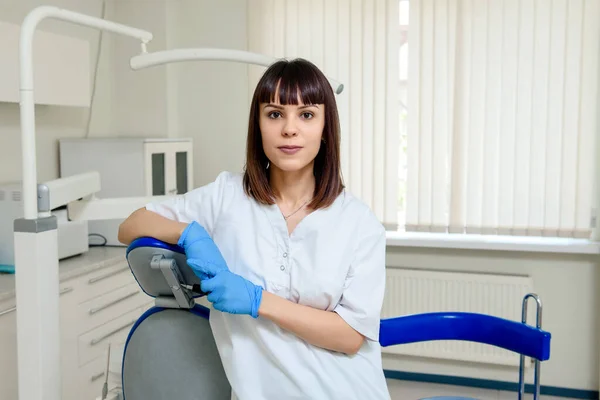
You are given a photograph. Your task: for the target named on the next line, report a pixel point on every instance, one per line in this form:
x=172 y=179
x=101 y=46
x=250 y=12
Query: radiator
x=420 y=291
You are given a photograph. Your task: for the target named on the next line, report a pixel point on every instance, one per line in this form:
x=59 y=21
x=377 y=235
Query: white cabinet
x=98 y=306
x=129 y=167
x=170 y=167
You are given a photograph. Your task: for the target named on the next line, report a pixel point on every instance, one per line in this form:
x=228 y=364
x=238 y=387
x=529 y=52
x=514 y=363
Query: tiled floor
x=403 y=390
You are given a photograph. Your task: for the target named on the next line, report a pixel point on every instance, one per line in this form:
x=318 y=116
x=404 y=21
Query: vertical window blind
x=355 y=42
x=502 y=105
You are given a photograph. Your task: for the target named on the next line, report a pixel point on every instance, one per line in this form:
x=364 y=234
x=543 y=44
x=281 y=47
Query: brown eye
x=274 y=114
x=307 y=115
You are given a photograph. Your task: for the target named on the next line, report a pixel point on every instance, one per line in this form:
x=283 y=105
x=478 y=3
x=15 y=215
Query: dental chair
x=170 y=352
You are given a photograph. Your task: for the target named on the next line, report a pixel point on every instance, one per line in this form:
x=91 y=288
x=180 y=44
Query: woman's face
x=291 y=134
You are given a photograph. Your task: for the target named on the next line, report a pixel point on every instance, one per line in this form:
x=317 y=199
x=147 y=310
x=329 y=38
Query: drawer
x=67 y=293
x=9 y=305
x=102 y=309
x=94 y=344
x=114 y=394
x=92 y=377
x=65 y=289
x=66 y=300
x=101 y=281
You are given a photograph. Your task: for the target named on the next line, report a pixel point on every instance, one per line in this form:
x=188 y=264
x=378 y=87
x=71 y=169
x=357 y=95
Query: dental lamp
x=36 y=247
x=178 y=55
x=35 y=235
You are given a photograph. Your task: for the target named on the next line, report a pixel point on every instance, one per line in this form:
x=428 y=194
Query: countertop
x=95 y=258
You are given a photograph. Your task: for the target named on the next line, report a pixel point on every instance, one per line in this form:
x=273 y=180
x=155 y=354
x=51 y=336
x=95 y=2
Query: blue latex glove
x=229 y=292
x=198 y=245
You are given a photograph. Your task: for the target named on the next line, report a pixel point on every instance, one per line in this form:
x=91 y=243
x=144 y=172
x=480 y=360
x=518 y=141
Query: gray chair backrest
x=170 y=352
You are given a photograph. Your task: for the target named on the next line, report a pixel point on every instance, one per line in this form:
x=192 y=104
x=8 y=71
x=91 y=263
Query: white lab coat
x=334 y=260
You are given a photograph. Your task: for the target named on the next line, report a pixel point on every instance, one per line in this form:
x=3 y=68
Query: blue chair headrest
x=158 y=266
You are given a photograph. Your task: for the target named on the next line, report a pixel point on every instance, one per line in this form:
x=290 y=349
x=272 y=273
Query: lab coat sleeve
x=364 y=288
x=202 y=204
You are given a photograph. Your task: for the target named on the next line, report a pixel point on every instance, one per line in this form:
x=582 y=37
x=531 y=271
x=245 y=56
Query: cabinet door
x=182 y=173
x=156 y=171
x=8 y=352
x=168 y=168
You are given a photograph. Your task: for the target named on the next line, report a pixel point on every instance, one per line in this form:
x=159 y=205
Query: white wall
x=568 y=287
x=210 y=98
x=52 y=121
x=205 y=101
x=141 y=95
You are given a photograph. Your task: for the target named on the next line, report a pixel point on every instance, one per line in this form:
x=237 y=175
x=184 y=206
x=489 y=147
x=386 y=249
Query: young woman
x=291 y=261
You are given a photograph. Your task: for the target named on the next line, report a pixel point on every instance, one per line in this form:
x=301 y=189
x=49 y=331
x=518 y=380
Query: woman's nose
x=290 y=128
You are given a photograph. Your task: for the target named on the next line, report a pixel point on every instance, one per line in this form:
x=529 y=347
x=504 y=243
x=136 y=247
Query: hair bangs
x=292 y=83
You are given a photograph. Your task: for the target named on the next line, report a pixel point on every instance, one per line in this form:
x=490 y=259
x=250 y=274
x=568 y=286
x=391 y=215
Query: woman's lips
x=290 y=149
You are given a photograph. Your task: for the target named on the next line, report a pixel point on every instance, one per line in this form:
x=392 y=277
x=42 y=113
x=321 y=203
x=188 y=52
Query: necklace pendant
x=300 y=208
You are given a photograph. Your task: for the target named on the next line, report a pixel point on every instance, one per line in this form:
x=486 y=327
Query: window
x=501 y=101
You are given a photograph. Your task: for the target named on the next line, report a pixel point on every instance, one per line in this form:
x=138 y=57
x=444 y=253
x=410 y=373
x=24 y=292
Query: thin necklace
x=300 y=208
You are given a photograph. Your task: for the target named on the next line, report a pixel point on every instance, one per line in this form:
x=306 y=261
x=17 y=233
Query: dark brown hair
x=295 y=77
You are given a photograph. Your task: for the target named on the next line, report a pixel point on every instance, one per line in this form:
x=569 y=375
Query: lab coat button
x=282 y=268
x=284 y=255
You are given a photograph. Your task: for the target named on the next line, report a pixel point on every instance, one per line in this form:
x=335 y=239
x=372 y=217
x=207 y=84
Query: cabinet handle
x=66 y=290
x=97 y=376
x=101 y=338
x=112 y=303
x=8 y=311
x=101 y=277
x=13 y=309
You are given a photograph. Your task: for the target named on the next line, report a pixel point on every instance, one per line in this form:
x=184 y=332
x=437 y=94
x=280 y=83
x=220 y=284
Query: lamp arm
x=146 y=60
x=27 y=109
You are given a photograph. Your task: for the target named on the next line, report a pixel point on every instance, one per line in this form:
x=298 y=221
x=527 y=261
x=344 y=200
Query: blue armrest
x=510 y=335
x=151 y=242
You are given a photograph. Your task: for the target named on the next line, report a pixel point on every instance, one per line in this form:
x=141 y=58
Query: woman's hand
x=231 y=293
x=227 y=291
x=199 y=246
